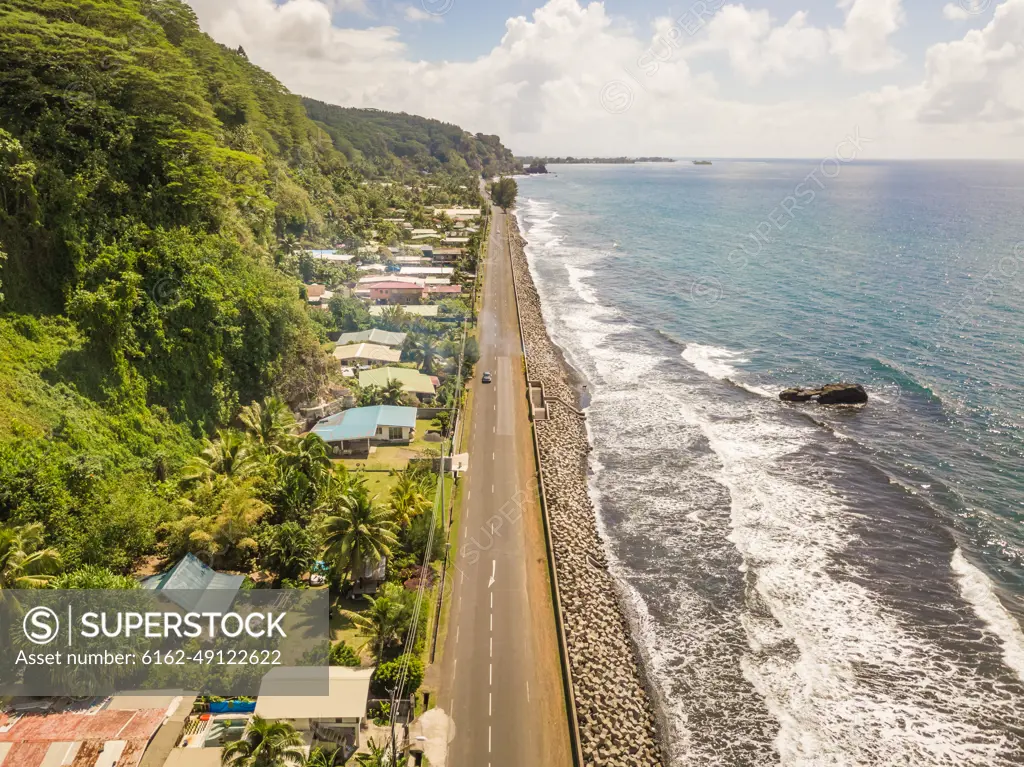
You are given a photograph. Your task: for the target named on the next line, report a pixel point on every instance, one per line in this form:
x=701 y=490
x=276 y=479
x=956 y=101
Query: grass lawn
x=397 y=457
x=379 y=483
x=343 y=630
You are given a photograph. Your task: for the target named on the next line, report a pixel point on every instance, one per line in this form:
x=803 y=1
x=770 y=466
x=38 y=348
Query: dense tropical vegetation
x=159 y=200
x=387 y=143
x=158 y=193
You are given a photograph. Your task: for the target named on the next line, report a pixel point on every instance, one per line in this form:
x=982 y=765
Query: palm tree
x=309 y=455
x=412 y=340
x=360 y=532
x=24 y=563
x=394 y=318
x=385 y=621
x=265 y=744
x=424 y=352
x=408 y=500
x=270 y=424
x=230 y=455
x=370 y=395
x=289 y=244
x=392 y=393
x=233 y=530
x=378 y=756
x=326 y=757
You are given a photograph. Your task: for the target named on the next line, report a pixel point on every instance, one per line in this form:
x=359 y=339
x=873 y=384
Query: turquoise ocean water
x=810 y=586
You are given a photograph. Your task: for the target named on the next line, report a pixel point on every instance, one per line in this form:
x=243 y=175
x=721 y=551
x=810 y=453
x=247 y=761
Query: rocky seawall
x=616 y=719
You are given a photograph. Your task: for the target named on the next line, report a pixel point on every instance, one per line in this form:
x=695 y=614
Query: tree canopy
x=504 y=192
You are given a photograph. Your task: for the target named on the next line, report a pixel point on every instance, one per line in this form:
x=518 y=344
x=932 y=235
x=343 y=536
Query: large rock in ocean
x=830 y=394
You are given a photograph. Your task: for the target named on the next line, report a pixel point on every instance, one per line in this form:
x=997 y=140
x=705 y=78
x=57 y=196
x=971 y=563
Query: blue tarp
x=233 y=707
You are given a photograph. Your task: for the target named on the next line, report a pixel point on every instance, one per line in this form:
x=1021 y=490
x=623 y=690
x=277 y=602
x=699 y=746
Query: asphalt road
x=499 y=670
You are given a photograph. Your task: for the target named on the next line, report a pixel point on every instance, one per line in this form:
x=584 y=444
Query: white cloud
x=756 y=49
x=862 y=45
x=979 y=77
x=567 y=80
x=416 y=14
x=348 y=6
x=955 y=12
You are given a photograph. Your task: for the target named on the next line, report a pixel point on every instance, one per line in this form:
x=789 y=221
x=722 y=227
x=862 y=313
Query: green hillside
x=389 y=142
x=153 y=185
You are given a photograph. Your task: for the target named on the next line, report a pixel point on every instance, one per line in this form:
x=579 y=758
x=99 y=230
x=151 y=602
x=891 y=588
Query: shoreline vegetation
x=617 y=720
x=538 y=165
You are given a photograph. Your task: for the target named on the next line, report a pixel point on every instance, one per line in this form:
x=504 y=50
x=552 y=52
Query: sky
x=876 y=79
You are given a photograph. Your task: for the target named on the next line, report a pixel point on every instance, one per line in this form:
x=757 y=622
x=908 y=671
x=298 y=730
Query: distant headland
x=539 y=164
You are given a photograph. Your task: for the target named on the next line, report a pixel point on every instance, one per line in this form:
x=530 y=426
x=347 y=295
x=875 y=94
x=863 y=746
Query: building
x=412 y=260
x=334 y=718
x=447 y=255
x=370 y=578
x=331 y=255
x=443 y=291
x=423 y=271
x=412 y=380
x=458 y=214
x=62 y=731
x=193 y=585
x=366 y=354
x=318 y=294
x=457 y=241
x=394 y=292
x=373 y=336
x=355 y=430
x=425 y=310
x=370 y=280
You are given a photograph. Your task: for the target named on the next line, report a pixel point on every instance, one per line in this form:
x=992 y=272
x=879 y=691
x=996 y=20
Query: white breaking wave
x=977 y=589
x=714 y=360
x=820 y=649
x=576 y=279
x=718 y=363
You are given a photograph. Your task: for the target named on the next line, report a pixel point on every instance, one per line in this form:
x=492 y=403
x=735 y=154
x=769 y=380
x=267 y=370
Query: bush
x=386 y=675
x=343 y=655
x=94 y=577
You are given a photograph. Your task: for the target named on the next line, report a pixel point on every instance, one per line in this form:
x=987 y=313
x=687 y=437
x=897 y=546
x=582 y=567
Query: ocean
x=809 y=585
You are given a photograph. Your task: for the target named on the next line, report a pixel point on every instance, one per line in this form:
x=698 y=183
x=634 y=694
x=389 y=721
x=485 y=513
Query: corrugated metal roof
x=347 y=692
x=394 y=286
x=362 y=422
x=367 y=352
x=189 y=582
x=412 y=380
x=373 y=336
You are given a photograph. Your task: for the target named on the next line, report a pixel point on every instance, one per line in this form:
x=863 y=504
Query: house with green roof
x=412 y=380
x=372 y=336
x=354 y=431
x=195 y=586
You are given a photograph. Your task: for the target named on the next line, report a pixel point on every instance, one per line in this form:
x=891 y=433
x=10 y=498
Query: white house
x=334 y=718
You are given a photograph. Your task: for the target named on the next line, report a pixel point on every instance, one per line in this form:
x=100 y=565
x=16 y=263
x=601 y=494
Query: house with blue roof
x=354 y=431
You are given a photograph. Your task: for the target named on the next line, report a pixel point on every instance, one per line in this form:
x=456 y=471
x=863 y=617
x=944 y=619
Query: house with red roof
x=111 y=732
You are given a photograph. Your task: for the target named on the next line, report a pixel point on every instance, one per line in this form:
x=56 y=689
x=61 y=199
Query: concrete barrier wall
x=611 y=719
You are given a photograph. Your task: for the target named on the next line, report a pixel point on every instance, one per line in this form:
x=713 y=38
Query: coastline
x=617 y=722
